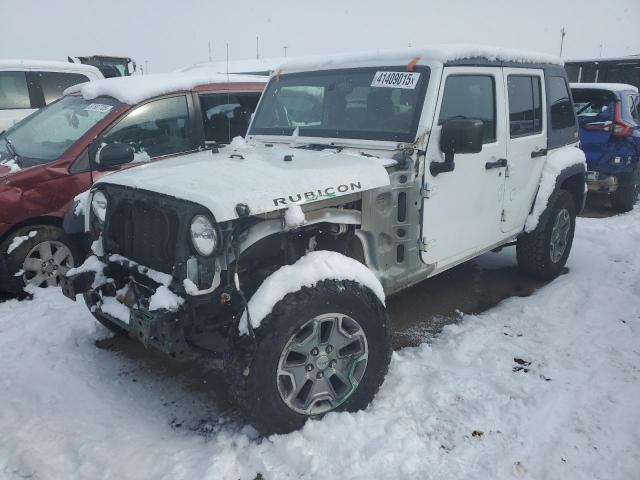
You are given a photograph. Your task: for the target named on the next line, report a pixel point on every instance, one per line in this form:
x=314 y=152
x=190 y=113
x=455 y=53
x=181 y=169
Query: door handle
x=541 y=152
x=500 y=163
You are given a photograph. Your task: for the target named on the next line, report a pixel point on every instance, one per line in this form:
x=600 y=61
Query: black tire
x=251 y=369
x=626 y=196
x=534 y=250
x=90 y=301
x=35 y=235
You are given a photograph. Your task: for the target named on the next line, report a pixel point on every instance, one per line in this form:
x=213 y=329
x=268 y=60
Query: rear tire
x=626 y=196
x=40 y=259
x=262 y=379
x=543 y=253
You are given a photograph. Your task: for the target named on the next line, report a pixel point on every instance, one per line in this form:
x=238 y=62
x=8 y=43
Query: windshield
x=381 y=103
x=48 y=133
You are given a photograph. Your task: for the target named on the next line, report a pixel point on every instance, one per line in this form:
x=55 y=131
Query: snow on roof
x=137 y=88
x=46 y=64
x=402 y=56
x=613 y=87
x=238 y=66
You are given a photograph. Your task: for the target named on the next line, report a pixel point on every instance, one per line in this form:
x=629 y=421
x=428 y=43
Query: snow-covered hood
x=265 y=179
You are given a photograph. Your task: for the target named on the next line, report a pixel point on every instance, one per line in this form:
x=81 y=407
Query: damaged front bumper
x=127 y=309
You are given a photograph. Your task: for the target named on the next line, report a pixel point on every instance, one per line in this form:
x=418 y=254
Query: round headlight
x=203 y=235
x=99 y=205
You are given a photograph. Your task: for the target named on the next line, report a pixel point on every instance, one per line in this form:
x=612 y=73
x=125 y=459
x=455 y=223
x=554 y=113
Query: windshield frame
x=346 y=136
x=29 y=161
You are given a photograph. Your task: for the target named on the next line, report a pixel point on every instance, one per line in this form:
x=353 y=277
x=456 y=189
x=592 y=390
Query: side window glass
x=55 y=83
x=157 y=128
x=470 y=96
x=562 y=115
x=226 y=116
x=13 y=90
x=525 y=112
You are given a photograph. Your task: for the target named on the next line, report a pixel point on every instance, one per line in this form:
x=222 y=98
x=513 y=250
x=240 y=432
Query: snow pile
x=239 y=143
x=136 y=88
x=539 y=387
x=613 y=87
x=306 y=272
x=557 y=160
x=80 y=202
x=113 y=307
x=294 y=216
x=164 y=299
x=17 y=241
x=11 y=164
x=91 y=264
x=402 y=56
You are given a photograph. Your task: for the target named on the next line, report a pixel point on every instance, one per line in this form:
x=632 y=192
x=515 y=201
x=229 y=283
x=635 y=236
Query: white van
x=26 y=85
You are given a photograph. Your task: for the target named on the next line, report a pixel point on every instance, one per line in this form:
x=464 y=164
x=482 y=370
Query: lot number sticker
x=407 y=80
x=98 y=107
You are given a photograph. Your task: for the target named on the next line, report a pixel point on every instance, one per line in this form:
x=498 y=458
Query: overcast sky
x=170 y=34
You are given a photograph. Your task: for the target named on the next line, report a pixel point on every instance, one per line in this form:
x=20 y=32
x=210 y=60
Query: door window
x=226 y=116
x=14 y=92
x=634 y=102
x=562 y=114
x=55 y=83
x=157 y=128
x=525 y=111
x=470 y=96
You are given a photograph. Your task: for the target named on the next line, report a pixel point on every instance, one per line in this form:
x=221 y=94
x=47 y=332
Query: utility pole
x=285 y=51
x=563 y=33
x=210 y=58
x=257 y=48
x=601 y=50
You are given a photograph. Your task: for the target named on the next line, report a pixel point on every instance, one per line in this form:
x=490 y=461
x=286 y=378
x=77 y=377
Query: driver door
x=462 y=209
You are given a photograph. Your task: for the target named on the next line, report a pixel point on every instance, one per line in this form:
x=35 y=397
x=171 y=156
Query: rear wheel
x=628 y=192
x=38 y=256
x=543 y=253
x=321 y=349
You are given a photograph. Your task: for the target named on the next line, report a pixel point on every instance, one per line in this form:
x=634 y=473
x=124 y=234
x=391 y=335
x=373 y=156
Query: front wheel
x=543 y=253
x=38 y=256
x=321 y=349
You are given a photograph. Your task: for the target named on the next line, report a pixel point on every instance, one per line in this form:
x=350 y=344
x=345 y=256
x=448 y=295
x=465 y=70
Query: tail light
x=620 y=127
x=599 y=126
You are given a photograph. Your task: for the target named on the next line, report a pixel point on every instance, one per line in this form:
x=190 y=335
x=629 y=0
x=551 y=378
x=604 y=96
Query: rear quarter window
x=14 y=92
x=55 y=83
x=561 y=107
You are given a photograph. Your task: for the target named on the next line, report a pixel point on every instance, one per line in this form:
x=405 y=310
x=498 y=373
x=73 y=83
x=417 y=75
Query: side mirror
x=458 y=135
x=113 y=155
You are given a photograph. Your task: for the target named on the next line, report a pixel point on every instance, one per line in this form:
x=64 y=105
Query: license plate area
x=593 y=176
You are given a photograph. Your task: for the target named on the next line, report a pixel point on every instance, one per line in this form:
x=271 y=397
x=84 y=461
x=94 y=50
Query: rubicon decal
x=320 y=194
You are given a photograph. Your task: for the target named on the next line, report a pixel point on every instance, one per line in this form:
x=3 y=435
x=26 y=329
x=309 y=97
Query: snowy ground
x=467 y=405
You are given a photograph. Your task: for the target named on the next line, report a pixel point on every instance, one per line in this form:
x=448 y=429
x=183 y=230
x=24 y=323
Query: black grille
x=144 y=233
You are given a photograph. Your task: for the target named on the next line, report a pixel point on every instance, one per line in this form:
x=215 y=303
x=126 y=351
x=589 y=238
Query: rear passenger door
x=526 y=143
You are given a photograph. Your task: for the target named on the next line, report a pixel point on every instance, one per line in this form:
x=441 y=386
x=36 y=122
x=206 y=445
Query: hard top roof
x=46 y=65
x=445 y=54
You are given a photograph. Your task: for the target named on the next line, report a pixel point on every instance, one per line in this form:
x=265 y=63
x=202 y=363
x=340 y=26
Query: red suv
x=48 y=158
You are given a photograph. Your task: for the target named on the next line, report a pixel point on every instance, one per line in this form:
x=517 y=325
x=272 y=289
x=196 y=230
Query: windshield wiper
x=319 y=147
x=12 y=151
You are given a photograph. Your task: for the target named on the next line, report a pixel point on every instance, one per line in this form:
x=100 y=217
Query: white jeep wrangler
x=361 y=175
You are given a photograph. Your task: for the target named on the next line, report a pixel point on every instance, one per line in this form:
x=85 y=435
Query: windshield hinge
x=427 y=190
x=426 y=245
